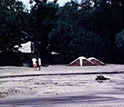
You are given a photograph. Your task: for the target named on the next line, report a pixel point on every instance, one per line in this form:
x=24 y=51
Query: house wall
x=15 y=59
x=9 y=59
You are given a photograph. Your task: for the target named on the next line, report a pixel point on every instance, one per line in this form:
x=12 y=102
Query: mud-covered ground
x=77 y=87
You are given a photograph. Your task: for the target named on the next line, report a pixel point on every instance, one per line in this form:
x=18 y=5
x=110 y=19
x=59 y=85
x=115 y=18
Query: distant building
x=25 y=47
x=25 y=54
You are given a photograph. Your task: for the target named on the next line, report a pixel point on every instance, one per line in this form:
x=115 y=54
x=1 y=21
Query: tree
x=120 y=42
x=43 y=17
x=13 y=20
x=83 y=28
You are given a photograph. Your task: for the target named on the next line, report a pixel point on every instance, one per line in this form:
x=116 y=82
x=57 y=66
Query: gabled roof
x=79 y=58
x=91 y=58
x=26 y=47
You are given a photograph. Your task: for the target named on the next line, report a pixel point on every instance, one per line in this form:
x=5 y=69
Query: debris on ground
x=100 y=77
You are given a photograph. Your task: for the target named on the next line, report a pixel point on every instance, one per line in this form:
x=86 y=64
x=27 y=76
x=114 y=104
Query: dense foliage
x=90 y=28
x=12 y=23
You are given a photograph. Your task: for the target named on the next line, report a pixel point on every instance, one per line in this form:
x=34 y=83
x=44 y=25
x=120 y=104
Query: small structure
x=54 y=53
x=81 y=61
x=25 y=54
x=26 y=47
x=95 y=61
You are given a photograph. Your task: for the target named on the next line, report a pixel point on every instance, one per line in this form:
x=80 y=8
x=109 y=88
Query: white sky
x=61 y=2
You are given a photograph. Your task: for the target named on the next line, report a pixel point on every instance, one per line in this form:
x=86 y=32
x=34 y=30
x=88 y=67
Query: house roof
x=26 y=47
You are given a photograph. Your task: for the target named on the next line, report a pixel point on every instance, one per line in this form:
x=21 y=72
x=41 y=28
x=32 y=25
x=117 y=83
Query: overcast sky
x=61 y=2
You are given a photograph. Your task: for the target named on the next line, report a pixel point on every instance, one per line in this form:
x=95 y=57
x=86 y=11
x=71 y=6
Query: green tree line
x=89 y=28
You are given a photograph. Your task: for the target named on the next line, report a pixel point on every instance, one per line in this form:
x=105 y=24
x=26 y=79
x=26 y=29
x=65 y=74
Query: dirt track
x=75 y=90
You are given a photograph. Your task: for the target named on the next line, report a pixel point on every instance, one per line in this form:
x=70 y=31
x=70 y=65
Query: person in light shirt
x=34 y=60
x=36 y=64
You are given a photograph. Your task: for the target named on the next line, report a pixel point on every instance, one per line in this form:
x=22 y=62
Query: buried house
x=95 y=61
x=81 y=61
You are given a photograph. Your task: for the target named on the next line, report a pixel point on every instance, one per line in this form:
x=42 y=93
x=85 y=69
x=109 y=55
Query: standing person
x=39 y=63
x=38 y=59
x=36 y=53
x=34 y=61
